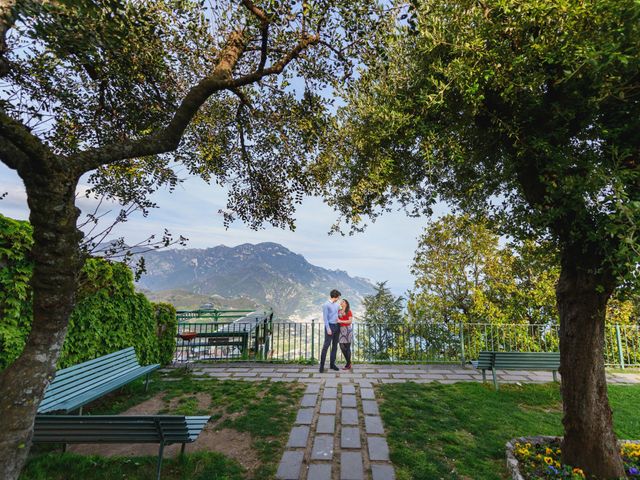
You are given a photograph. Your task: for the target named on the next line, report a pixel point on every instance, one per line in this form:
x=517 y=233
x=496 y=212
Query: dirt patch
x=233 y=444
x=203 y=401
x=149 y=407
x=229 y=442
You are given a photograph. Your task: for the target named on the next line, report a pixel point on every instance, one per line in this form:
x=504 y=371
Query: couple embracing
x=337 y=318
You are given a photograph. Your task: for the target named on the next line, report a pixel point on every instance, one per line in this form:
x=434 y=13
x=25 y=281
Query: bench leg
x=64 y=447
x=182 y=449
x=495 y=378
x=80 y=411
x=484 y=375
x=146 y=384
x=555 y=376
x=160 y=453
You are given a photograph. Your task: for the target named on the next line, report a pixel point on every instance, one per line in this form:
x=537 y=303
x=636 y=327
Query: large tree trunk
x=56 y=265
x=582 y=294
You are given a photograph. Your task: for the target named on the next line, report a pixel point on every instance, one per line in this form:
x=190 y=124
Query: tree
x=383 y=317
x=529 y=111
x=464 y=275
x=125 y=91
x=456 y=259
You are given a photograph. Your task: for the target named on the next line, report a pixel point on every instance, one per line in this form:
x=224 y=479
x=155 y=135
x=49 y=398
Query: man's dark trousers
x=333 y=341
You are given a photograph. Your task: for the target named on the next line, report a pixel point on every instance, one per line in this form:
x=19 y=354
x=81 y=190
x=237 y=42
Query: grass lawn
x=263 y=411
x=459 y=431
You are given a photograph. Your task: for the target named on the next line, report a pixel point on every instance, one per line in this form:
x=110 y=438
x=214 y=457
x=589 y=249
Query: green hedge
x=109 y=315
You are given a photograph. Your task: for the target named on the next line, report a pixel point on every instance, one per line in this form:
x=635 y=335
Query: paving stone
x=330 y=392
x=349 y=401
x=350 y=389
x=304 y=417
x=370 y=407
x=326 y=424
x=322 y=447
x=349 y=416
x=367 y=394
x=328 y=406
x=309 y=400
x=312 y=388
x=378 y=448
x=298 y=437
x=373 y=425
x=405 y=376
x=351 y=466
x=310 y=380
x=382 y=472
x=319 y=471
x=368 y=382
x=245 y=374
x=290 y=466
x=350 y=437
x=332 y=382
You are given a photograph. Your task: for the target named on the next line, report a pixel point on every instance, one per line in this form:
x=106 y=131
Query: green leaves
x=528 y=111
x=109 y=314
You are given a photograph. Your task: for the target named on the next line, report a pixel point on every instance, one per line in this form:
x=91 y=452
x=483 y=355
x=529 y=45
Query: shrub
x=109 y=315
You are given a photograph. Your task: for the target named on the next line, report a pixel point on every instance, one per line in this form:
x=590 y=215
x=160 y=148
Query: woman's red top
x=345 y=320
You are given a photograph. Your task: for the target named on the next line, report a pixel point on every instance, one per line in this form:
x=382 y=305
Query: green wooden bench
x=74 y=387
x=161 y=429
x=493 y=361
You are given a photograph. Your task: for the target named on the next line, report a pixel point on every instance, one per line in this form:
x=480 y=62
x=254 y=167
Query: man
x=331 y=330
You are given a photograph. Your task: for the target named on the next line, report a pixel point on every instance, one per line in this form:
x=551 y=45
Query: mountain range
x=247 y=276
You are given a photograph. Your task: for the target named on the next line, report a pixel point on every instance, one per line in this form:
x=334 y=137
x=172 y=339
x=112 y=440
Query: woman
x=346 y=331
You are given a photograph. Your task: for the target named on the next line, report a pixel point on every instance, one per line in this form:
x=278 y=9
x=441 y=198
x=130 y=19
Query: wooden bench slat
x=65 y=378
x=491 y=360
x=80 y=384
x=86 y=395
x=115 y=429
x=98 y=364
x=97 y=385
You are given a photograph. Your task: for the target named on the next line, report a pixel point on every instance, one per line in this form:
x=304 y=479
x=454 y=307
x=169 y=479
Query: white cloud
x=383 y=252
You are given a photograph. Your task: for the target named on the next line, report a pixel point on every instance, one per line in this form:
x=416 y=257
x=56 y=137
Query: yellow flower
x=578 y=471
x=548 y=460
x=557 y=464
x=548 y=451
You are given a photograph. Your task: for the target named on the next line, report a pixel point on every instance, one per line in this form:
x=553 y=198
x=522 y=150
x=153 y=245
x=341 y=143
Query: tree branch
x=7 y=19
x=168 y=138
x=279 y=66
x=28 y=149
x=12 y=157
x=257 y=11
x=263 y=47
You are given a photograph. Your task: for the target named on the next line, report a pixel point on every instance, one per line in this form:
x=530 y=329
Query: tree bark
x=57 y=261
x=582 y=294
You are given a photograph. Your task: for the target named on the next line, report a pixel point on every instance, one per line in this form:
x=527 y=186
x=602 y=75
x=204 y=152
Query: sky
x=383 y=252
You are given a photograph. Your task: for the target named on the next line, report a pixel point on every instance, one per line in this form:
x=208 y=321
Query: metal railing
x=258 y=337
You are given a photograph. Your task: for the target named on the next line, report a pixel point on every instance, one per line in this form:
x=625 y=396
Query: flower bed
x=539 y=458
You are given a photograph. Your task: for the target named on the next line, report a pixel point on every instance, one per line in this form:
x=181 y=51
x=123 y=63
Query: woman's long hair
x=348 y=308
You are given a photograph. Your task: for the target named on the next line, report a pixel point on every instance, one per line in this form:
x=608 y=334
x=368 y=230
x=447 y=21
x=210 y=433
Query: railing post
x=313 y=339
x=619 y=340
x=462 y=342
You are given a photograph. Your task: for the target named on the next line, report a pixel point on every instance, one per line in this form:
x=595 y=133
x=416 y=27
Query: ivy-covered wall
x=109 y=314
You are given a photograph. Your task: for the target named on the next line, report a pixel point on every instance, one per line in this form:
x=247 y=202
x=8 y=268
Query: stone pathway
x=338 y=432
x=338 y=435
x=371 y=374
